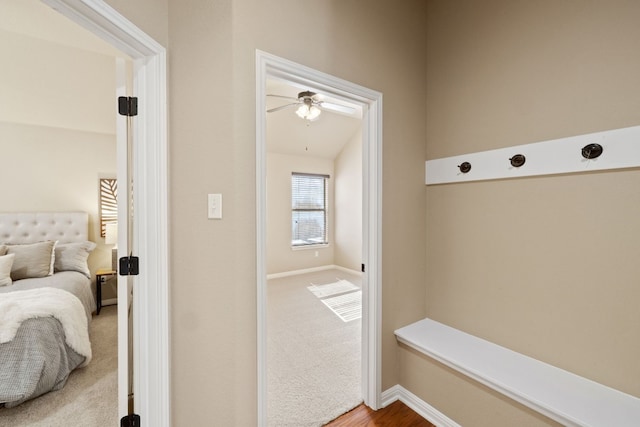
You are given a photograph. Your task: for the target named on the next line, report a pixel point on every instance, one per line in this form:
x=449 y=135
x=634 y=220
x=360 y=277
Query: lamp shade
x=111 y=234
x=308 y=112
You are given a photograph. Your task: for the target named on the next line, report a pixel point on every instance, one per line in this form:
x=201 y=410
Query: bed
x=46 y=302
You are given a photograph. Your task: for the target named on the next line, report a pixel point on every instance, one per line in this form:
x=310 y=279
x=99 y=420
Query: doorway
x=151 y=286
x=60 y=135
x=269 y=66
x=314 y=256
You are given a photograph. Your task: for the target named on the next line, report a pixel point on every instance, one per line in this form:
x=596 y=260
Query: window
x=308 y=209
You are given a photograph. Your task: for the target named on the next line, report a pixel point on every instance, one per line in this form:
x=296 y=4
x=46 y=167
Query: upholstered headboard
x=31 y=227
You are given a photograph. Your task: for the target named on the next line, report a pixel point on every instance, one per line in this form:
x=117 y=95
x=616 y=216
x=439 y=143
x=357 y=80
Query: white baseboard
x=426 y=411
x=311 y=270
x=347 y=270
x=110 y=301
x=296 y=272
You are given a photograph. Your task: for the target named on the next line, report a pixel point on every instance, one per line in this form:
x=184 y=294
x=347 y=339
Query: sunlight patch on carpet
x=347 y=307
x=339 y=287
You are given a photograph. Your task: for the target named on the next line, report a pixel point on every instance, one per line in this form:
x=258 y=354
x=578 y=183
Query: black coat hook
x=465 y=167
x=592 y=151
x=518 y=160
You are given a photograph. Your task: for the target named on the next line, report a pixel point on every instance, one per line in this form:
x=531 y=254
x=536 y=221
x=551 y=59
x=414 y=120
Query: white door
x=124 y=135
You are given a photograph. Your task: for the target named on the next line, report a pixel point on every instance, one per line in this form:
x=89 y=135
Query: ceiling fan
x=310 y=105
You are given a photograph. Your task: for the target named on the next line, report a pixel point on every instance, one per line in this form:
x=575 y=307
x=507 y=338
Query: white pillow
x=32 y=260
x=3 y=249
x=6 y=261
x=73 y=257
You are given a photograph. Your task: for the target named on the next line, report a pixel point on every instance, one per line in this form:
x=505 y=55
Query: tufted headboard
x=31 y=227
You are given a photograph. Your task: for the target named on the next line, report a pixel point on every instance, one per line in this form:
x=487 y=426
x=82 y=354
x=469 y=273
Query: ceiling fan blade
x=282 y=96
x=282 y=107
x=337 y=107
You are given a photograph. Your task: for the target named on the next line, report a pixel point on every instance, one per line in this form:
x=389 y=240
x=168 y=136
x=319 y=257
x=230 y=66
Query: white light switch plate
x=214 y=210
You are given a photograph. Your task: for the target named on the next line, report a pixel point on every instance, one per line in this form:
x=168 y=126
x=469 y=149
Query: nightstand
x=101 y=276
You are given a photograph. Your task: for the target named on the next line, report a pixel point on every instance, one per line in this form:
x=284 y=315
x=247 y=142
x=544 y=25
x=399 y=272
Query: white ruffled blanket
x=18 y=306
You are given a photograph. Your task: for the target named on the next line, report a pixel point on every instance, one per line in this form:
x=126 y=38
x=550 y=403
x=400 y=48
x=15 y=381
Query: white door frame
x=268 y=65
x=151 y=287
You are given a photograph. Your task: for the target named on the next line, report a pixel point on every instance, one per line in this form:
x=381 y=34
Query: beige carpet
x=89 y=398
x=313 y=356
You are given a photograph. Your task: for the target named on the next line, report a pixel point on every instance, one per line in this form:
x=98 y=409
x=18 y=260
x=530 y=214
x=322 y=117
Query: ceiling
x=289 y=134
x=35 y=19
x=286 y=132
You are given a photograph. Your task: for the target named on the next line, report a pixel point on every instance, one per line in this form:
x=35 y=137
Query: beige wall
x=212 y=148
x=36 y=78
x=344 y=224
x=280 y=257
x=546 y=266
x=348 y=201
x=500 y=74
x=57 y=130
x=151 y=16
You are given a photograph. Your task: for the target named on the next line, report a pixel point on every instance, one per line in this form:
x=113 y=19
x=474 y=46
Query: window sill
x=306 y=247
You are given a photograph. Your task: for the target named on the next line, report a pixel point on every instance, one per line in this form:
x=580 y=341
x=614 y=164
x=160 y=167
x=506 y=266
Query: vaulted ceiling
x=35 y=19
x=286 y=132
x=289 y=134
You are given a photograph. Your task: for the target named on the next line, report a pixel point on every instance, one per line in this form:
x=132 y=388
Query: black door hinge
x=363 y=268
x=128 y=106
x=129 y=266
x=131 y=420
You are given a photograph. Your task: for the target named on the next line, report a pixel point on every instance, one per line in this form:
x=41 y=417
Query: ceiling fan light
x=302 y=111
x=314 y=112
x=308 y=112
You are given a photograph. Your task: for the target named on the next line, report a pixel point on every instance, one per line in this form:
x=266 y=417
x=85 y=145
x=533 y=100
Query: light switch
x=215 y=206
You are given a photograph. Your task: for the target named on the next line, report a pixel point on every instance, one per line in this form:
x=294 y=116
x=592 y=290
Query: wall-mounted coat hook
x=518 y=160
x=465 y=167
x=592 y=151
x=556 y=156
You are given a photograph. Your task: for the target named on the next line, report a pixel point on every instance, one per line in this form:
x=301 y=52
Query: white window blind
x=308 y=209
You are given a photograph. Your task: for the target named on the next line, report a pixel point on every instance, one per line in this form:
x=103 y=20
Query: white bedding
x=46 y=334
x=45 y=342
x=18 y=306
x=70 y=281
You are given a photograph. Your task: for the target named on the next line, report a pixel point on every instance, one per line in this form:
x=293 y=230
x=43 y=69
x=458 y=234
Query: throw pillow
x=6 y=261
x=73 y=257
x=32 y=260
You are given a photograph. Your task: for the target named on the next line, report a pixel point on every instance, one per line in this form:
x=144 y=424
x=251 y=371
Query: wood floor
x=395 y=415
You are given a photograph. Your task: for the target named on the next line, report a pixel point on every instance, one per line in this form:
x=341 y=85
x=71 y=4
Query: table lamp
x=111 y=238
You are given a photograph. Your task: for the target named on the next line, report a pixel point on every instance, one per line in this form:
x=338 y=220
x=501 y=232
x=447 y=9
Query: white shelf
x=621 y=149
x=562 y=396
